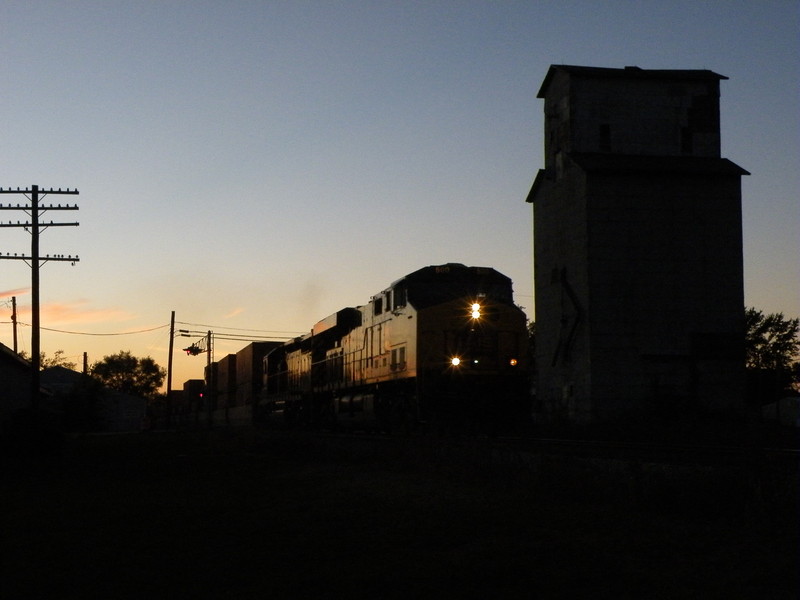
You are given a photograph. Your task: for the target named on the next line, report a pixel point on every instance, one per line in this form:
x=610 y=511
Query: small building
x=92 y=407
x=121 y=413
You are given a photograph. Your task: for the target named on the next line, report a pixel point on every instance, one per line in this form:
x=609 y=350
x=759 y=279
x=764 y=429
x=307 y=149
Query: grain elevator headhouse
x=637 y=248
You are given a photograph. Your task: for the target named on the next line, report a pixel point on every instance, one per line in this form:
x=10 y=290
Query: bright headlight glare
x=455 y=361
x=476 y=311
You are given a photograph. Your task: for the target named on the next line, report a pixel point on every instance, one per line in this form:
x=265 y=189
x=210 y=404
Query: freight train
x=444 y=346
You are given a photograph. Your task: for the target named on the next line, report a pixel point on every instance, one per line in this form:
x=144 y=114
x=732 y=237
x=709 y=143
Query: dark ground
x=248 y=514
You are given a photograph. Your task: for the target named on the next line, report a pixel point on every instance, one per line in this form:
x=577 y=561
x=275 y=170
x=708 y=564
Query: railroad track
x=649 y=452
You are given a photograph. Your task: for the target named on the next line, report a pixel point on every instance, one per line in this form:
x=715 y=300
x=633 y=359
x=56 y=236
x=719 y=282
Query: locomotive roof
x=453 y=270
x=455 y=279
x=440 y=283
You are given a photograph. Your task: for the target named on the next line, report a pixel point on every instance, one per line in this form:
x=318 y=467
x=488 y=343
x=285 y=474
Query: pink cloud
x=233 y=313
x=18 y=292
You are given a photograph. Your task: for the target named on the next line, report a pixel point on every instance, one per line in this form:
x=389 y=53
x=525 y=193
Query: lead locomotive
x=444 y=346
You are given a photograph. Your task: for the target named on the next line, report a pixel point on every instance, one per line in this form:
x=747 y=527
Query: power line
x=233 y=336
x=87 y=333
x=217 y=327
x=251 y=338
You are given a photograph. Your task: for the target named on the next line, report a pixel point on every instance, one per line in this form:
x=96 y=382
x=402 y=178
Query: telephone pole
x=14 y=320
x=35 y=226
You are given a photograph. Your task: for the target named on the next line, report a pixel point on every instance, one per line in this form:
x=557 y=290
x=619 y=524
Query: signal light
x=193 y=350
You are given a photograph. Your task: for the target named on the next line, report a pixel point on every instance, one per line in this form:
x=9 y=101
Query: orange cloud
x=74 y=312
x=233 y=313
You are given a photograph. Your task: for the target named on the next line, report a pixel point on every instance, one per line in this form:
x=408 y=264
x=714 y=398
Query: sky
x=255 y=166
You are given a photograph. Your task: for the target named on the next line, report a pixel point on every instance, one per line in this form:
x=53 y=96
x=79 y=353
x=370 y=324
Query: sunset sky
x=255 y=166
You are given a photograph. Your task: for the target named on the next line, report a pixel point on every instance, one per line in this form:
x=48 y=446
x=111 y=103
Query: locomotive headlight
x=513 y=362
x=455 y=361
x=476 y=311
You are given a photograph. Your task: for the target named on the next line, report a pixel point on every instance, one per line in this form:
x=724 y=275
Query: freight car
x=444 y=346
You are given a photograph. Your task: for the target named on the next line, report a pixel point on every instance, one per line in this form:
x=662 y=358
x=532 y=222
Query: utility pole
x=213 y=380
x=169 y=369
x=34 y=261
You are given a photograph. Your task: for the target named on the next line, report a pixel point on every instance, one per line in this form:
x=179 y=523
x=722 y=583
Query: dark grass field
x=251 y=514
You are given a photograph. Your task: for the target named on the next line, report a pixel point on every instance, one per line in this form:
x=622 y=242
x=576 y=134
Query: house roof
x=7 y=355
x=58 y=376
x=627 y=73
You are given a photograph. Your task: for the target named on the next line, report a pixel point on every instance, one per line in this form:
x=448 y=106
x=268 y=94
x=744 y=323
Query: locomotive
x=444 y=346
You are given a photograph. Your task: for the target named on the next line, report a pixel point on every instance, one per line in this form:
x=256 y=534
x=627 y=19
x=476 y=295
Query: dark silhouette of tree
x=771 y=341
x=57 y=360
x=128 y=374
x=772 y=348
x=532 y=344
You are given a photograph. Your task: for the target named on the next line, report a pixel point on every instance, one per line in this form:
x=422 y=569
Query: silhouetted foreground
x=248 y=514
